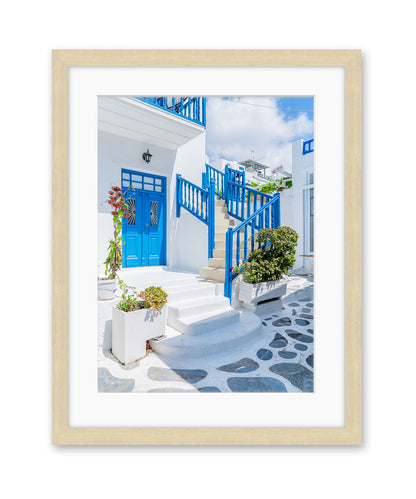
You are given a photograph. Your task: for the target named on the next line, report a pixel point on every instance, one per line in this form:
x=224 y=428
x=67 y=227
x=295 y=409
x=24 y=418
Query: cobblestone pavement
x=281 y=359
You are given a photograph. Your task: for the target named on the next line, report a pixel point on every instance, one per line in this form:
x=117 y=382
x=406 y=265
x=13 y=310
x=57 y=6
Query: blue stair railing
x=265 y=217
x=217 y=176
x=241 y=200
x=200 y=203
x=255 y=209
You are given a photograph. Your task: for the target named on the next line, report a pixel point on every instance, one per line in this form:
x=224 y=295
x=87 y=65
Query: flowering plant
x=120 y=210
x=273 y=259
x=151 y=297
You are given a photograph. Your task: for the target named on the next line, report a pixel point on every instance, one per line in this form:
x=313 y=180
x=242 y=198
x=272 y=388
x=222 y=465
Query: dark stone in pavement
x=278 y=341
x=256 y=385
x=301 y=322
x=287 y=355
x=301 y=347
x=240 y=366
x=298 y=375
x=284 y=321
x=264 y=354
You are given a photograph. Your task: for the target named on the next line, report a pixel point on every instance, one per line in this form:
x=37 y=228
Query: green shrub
x=274 y=259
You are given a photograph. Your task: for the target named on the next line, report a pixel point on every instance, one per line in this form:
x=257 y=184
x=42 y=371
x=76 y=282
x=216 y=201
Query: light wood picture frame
x=62 y=433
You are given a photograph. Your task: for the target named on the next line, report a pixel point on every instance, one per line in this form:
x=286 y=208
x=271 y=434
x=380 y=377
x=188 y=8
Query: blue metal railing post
x=204 y=107
x=228 y=263
x=226 y=176
x=278 y=210
x=178 y=194
x=211 y=218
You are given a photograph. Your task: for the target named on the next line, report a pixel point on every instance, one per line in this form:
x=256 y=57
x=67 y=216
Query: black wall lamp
x=147 y=156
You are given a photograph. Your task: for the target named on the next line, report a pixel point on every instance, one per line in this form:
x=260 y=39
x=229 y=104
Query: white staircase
x=216 y=265
x=201 y=321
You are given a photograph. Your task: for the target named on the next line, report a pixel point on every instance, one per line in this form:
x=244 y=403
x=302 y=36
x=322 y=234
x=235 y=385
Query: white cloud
x=235 y=129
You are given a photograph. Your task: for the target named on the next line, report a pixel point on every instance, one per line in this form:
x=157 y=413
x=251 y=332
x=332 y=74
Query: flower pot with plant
x=107 y=285
x=138 y=318
x=264 y=281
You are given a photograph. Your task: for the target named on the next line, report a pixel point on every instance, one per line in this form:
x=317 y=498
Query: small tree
x=120 y=209
x=274 y=259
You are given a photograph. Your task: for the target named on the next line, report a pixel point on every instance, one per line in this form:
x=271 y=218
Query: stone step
x=222 y=214
x=221 y=210
x=224 y=221
x=219 y=253
x=213 y=274
x=186 y=307
x=201 y=324
x=220 y=244
x=191 y=291
x=244 y=328
x=220 y=236
x=219 y=263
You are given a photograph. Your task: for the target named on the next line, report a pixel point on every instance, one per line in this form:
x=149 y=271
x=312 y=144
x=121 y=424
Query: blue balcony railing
x=307 y=146
x=191 y=108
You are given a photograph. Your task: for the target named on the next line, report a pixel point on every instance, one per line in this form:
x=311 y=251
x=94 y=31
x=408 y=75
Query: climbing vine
x=120 y=210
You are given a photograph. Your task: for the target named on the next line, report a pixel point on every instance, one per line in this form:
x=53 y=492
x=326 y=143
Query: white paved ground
x=279 y=359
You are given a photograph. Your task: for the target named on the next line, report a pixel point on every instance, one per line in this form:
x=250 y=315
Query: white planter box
x=131 y=330
x=252 y=295
x=107 y=289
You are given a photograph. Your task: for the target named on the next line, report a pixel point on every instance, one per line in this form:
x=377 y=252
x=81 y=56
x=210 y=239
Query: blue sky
x=237 y=126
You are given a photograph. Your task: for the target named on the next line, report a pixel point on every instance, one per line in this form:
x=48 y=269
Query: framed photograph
x=206 y=260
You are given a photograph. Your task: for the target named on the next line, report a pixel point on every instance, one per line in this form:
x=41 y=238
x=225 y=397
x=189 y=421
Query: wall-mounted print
x=205 y=244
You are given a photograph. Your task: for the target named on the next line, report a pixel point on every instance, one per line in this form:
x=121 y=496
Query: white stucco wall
x=186 y=236
x=292 y=210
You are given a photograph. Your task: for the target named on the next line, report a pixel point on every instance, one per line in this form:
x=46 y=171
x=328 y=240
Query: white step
x=219 y=236
x=219 y=253
x=219 y=263
x=222 y=227
x=195 y=290
x=202 y=324
x=243 y=328
x=213 y=274
x=199 y=306
x=221 y=210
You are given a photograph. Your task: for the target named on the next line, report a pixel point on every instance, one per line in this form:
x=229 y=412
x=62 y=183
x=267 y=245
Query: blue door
x=144 y=230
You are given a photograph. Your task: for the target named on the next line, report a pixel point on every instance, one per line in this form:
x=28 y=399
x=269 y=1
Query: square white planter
x=131 y=330
x=264 y=295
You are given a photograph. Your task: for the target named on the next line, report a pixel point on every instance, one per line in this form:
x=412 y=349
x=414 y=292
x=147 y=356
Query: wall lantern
x=147 y=156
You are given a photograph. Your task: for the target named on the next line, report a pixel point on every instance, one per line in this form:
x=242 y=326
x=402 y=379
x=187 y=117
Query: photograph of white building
x=195 y=233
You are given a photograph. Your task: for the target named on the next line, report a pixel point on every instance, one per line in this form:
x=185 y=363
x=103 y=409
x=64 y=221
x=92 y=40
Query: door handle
x=145 y=226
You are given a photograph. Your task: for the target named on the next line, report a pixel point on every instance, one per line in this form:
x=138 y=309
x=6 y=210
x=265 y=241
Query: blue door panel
x=144 y=230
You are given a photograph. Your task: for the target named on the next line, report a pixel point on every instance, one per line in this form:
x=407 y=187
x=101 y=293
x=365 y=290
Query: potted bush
x=138 y=318
x=263 y=273
x=107 y=285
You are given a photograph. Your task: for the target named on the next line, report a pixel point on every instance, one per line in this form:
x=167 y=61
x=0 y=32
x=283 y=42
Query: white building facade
x=175 y=138
x=297 y=203
x=143 y=145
